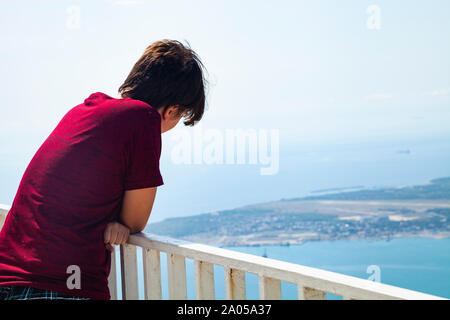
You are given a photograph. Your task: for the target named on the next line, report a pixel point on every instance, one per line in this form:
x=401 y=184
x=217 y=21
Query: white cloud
x=438 y=92
x=125 y=2
x=379 y=96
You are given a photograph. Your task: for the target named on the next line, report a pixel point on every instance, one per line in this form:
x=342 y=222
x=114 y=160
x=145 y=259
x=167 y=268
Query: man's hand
x=115 y=233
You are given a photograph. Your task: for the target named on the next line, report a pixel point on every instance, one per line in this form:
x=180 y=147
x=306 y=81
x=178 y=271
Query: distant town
x=383 y=213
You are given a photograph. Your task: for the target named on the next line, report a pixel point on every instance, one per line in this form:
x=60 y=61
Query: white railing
x=312 y=283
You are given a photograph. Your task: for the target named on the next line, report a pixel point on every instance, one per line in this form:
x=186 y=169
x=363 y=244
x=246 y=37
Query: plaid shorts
x=27 y=293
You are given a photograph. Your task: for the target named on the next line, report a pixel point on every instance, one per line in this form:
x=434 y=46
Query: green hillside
x=436 y=189
x=309 y=218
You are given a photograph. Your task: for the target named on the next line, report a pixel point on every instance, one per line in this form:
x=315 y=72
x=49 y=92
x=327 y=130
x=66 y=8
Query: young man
x=93 y=181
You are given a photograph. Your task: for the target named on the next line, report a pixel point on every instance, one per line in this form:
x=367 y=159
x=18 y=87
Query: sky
x=322 y=74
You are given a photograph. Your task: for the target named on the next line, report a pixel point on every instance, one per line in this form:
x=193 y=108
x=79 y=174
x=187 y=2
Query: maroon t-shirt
x=72 y=188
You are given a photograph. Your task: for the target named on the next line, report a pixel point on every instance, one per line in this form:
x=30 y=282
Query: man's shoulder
x=132 y=108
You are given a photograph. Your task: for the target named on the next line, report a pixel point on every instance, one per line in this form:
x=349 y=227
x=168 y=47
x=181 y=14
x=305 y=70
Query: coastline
x=259 y=241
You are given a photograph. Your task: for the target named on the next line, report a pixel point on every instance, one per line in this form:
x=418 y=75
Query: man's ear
x=170 y=112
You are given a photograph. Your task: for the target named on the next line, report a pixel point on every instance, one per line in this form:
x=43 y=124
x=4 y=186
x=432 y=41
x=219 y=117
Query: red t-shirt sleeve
x=143 y=153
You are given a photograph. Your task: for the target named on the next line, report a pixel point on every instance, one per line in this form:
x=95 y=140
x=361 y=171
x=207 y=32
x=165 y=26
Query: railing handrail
x=319 y=279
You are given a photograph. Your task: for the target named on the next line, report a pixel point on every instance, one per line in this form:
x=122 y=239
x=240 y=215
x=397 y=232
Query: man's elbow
x=133 y=226
x=136 y=228
x=136 y=208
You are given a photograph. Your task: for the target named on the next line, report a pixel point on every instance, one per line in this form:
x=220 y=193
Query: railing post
x=234 y=284
x=4 y=209
x=112 y=278
x=306 y=293
x=204 y=280
x=2 y=219
x=128 y=261
x=152 y=274
x=176 y=272
x=269 y=288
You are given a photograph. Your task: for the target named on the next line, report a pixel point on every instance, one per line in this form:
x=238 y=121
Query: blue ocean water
x=421 y=264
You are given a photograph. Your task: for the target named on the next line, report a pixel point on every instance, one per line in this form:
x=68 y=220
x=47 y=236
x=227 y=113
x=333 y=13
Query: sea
x=420 y=264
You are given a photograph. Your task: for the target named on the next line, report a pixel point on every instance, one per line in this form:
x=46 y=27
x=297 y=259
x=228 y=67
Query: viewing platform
x=312 y=283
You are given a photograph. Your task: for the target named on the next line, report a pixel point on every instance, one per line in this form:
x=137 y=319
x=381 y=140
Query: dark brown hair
x=167 y=74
